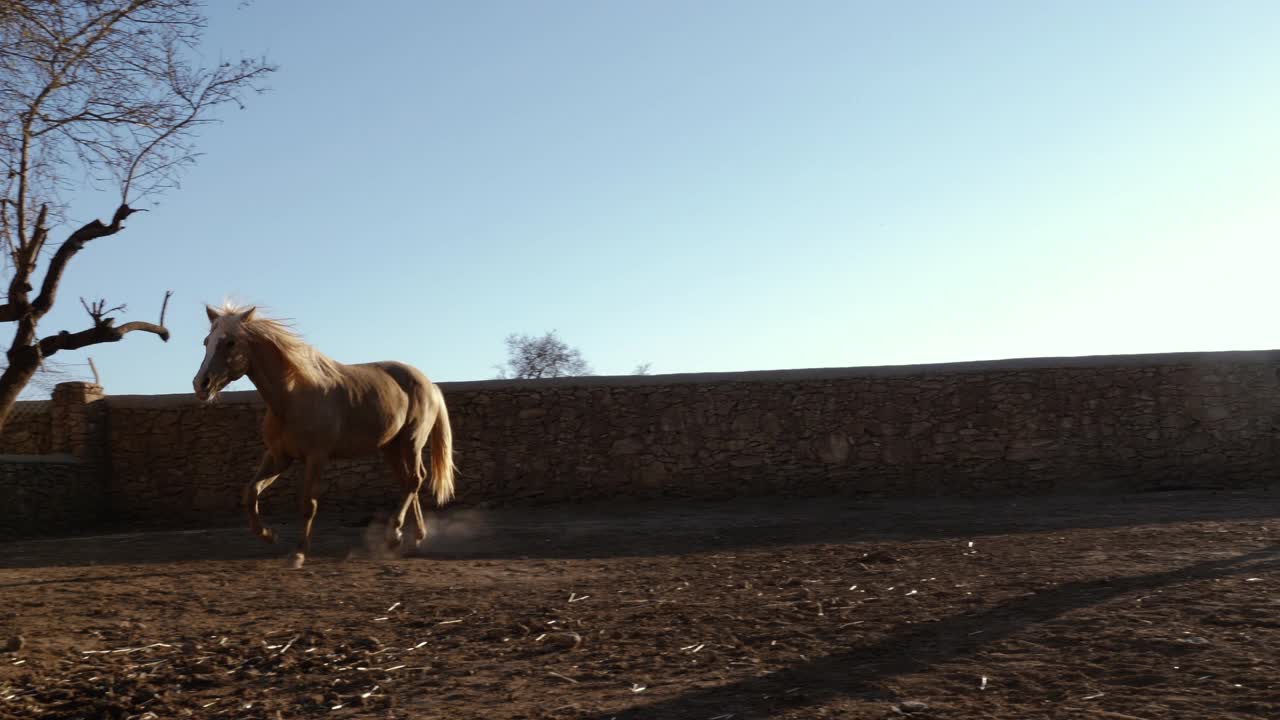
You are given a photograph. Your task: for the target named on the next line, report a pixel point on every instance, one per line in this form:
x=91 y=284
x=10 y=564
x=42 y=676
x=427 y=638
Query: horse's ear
x=247 y=315
x=213 y=314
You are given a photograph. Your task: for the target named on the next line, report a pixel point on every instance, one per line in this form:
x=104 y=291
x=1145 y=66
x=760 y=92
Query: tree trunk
x=12 y=383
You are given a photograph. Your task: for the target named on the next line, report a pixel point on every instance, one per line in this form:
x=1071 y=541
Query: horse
x=320 y=410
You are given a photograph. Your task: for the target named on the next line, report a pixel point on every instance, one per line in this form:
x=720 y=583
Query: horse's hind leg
x=417 y=475
x=310 y=504
x=268 y=470
x=420 y=533
x=418 y=445
x=397 y=456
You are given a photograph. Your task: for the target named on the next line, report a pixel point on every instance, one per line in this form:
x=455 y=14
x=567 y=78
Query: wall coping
x=1240 y=357
x=33 y=404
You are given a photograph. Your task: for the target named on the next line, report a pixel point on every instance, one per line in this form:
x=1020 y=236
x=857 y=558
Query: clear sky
x=722 y=185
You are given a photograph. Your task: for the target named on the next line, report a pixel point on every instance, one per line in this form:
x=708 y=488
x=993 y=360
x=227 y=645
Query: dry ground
x=1159 y=606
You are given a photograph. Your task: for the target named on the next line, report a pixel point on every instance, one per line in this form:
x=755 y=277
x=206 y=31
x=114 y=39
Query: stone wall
x=54 y=464
x=71 y=423
x=1074 y=425
x=48 y=495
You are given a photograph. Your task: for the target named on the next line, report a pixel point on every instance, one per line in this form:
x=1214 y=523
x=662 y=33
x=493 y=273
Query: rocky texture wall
x=1075 y=425
x=55 y=468
x=77 y=418
x=48 y=495
x=71 y=423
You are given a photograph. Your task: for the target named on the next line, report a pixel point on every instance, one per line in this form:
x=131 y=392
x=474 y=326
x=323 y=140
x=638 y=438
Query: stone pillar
x=78 y=420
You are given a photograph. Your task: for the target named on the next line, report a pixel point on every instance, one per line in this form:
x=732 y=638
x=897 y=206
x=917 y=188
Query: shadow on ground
x=916 y=648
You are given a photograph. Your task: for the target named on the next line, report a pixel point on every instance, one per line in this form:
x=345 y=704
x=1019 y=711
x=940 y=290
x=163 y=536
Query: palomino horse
x=319 y=409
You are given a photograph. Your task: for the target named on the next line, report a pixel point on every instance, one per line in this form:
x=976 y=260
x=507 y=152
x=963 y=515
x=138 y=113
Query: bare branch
x=96 y=335
x=99 y=311
x=72 y=245
x=165 y=305
x=24 y=261
x=220 y=87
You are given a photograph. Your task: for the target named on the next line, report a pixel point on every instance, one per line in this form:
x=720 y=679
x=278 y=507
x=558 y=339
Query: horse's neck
x=269 y=375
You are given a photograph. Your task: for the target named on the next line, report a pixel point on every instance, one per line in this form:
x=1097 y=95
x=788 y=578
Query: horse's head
x=226 y=353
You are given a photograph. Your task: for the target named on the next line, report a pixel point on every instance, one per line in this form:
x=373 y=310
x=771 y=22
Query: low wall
x=54 y=464
x=1066 y=425
x=48 y=495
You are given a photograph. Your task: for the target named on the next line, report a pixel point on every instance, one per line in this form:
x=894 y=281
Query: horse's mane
x=302 y=361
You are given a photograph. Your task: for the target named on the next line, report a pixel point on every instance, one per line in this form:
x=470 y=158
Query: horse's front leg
x=268 y=470
x=310 y=486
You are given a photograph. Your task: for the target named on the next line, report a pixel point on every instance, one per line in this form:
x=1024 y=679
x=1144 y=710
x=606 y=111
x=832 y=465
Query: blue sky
x=721 y=185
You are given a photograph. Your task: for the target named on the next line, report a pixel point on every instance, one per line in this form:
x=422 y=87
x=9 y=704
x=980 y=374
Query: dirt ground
x=1158 y=606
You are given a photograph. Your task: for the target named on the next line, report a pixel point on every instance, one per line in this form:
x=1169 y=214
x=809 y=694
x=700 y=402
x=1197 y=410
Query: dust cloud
x=448 y=533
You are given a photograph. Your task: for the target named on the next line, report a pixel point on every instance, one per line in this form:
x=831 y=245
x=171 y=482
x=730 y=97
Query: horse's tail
x=442 y=467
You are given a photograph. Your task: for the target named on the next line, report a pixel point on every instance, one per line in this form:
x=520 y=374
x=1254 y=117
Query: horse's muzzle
x=204 y=388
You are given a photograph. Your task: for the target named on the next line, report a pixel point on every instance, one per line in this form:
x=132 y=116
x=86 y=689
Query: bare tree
x=642 y=369
x=104 y=92
x=541 y=357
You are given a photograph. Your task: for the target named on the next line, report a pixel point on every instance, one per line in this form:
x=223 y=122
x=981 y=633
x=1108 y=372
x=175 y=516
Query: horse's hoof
x=414 y=548
x=394 y=538
x=267 y=535
x=296 y=560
